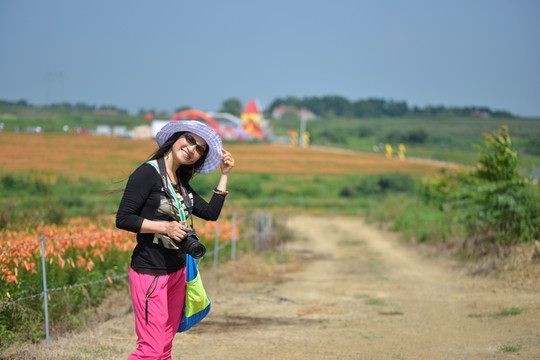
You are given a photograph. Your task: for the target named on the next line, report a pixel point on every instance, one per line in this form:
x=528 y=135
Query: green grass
x=448 y=138
x=54 y=119
x=510 y=348
x=375 y=302
x=31 y=200
x=503 y=313
x=508 y=312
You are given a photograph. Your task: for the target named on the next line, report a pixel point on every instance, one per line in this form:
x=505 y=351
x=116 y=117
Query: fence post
x=268 y=229
x=45 y=299
x=262 y=243
x=233 y=237
x=257 y=231
x=216 y=245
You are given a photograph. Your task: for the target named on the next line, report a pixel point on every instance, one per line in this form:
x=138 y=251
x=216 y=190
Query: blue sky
x=166 y=54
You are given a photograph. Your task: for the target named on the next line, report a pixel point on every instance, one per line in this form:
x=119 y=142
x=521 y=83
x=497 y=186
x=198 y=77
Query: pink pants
x=157 y=303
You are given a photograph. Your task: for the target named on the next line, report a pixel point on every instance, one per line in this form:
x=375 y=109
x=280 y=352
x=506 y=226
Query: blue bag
x=197 y=303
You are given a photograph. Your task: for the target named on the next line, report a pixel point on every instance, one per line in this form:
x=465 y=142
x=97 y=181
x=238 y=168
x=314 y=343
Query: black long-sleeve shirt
x=145 y=198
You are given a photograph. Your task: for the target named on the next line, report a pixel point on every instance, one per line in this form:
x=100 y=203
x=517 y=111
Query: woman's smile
x=188 y=148
x=187 y=154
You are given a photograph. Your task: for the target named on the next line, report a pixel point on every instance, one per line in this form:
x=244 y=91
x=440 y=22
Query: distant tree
x=394 y=109
x=232 y=106
x=274 y=104
x=84 y=107
x=290 y=115
x=369 y=107
x=294 y=102
x=62 y=105
x=182 y=108
x=314 y=105
x=502 y=114
x=339 y=105
x=335 y=105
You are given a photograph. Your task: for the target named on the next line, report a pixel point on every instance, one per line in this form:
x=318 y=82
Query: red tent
x=198 y=115
x=251 y=117
x=251 y=108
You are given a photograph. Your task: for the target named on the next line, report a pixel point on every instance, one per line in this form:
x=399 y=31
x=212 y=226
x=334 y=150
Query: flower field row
x=21 y=251
x=207 y=232
x=78 y=245
x=111 y=157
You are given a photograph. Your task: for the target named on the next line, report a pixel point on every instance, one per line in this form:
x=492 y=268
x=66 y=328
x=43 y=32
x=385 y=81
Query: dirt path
x=352 y=292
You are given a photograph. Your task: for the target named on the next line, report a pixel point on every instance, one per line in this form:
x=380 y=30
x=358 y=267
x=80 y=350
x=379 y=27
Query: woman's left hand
x=227 y=162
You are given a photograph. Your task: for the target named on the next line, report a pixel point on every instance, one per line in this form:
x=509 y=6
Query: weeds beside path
x=347 y=291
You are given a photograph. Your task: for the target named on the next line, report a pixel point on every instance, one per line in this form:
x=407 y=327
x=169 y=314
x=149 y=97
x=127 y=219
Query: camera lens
x=192 y=246
x=197 y=250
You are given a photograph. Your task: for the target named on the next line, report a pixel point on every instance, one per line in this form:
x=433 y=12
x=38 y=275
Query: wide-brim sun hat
x=212 y=138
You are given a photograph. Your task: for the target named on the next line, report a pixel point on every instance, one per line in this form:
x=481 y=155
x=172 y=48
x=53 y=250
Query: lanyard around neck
x=168 y=188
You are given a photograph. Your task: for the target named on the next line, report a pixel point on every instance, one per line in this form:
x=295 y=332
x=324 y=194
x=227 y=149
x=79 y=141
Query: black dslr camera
x=192 y=246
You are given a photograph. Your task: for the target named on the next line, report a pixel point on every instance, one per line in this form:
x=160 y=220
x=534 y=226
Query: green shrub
x=415 y=219
x=380 y=185
x=496 y=204
x=418 y=136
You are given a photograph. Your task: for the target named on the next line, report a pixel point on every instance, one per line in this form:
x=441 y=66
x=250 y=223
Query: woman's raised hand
x=227 y=162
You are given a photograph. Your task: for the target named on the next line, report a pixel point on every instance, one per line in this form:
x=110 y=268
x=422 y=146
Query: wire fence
x=257 y=227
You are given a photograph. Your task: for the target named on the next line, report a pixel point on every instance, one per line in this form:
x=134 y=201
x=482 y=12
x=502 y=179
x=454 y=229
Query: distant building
x=479 y=113
x=142 y=132
x=303 y=114
x=120 y=130
x=104 y=130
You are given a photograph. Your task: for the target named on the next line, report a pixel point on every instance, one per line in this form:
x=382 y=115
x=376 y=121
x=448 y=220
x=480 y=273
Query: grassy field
x=447 y=138
x=69 y=175
x=114 y=158
x=83 y=175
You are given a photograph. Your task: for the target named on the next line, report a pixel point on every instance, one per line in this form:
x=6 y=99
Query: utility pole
x=302 y=130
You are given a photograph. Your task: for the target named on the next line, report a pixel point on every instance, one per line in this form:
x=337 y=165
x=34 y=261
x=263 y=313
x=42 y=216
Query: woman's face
x=189 y=148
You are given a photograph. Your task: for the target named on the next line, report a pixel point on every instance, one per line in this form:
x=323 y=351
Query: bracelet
x=220 y=192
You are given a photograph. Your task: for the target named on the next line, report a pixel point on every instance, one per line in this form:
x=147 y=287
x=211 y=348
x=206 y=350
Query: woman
x=157 y=270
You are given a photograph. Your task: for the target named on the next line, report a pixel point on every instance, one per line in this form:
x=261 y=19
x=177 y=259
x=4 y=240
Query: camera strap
x=171 y=193
x=187 y=200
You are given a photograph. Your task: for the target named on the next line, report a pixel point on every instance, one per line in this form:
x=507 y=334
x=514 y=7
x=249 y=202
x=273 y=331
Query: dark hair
x=184 y=172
